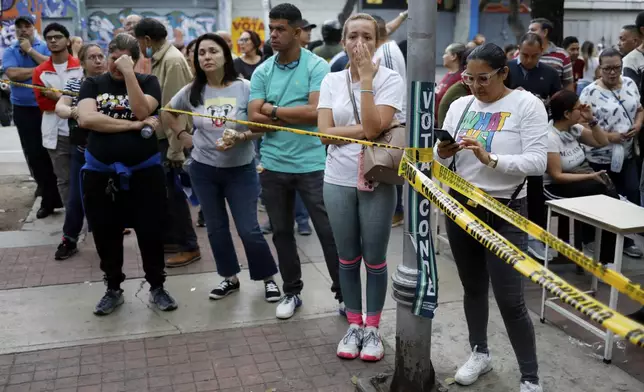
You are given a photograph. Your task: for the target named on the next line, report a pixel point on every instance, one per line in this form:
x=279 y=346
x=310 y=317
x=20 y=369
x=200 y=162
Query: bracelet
x=366 y=91
x=179 y=134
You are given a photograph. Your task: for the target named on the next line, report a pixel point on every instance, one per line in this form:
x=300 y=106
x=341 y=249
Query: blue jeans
x=361 y=223
x=581 y=85
x=238 y=186
x=74 y=213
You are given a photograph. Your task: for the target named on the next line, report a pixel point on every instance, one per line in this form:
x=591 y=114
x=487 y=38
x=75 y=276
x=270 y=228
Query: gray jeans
x=476 y=267
x=61 y=159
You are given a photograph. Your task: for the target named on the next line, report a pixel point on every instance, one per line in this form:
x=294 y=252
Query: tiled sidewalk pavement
x=291 y=356
x=35 y=266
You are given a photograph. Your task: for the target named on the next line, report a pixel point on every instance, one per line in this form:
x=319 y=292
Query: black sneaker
x=66 y=249
x=110 y=301
x=304 y=229
x=162 y=299
x=271 y=291
x=225 y=288
x=201 y=221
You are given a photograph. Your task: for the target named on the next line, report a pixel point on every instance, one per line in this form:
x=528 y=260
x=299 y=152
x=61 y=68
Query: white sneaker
x=477 y=365
x=537 y=249
x=530 y=387
x=349 y=346
x=372 y=348
x=286 y=307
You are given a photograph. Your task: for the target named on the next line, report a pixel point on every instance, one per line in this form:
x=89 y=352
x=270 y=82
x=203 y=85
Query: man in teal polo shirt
x=285 y=91
x=19 y=61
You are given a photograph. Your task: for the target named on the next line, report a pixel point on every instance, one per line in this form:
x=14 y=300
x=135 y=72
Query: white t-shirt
x=391 y=57
x=515 y=128
x=342 y=160
x=571 y=153
x=60 y=68
x=615 y=112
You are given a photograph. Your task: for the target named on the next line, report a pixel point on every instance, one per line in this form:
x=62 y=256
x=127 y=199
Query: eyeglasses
x=243 y=40
x=289 y=66
x=613 y=69
x=482 y=79
x=56 y=37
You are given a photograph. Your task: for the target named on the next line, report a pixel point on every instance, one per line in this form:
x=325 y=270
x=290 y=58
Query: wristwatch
x=494 y=160
x=274 y=113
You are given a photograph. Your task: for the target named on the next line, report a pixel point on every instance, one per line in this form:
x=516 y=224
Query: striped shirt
x=74 y=85
x=558 y=59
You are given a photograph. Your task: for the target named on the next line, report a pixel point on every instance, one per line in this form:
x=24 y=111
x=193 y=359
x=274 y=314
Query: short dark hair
x=286 y=11
x=151 y=28
x=125 y=41
x=545 y=24
x=609 y=52
x=55 y=27
x=561 y=102
x=639 y=21
x=509 y=48
x=569 y=41
x=631 y=28
x=531 y=38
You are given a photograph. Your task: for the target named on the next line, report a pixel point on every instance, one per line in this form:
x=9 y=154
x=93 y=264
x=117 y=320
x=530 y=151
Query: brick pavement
x=35 y=266
x=296 y=356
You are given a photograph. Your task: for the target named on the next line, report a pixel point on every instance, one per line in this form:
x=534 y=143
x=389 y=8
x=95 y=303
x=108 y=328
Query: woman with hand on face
x=92 y=60
x=249 y=43
x=501 y=138
x=360 y=215
x=123 y=180
x=223 y=169
x=568 y=173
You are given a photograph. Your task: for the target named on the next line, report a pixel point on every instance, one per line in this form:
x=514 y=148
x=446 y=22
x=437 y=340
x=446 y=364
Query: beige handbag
x=381 y=164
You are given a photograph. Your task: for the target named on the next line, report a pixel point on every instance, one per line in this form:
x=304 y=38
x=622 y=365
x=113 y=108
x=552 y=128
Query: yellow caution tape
x=36 y=87
x=419 y=154
x=613 y=278
x=506 y=251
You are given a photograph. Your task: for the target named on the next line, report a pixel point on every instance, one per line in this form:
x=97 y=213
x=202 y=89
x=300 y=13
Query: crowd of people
x=529 y=123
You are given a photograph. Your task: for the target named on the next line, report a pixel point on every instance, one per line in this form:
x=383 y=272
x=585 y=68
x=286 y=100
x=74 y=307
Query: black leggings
x=588 y=188
x=142 y=207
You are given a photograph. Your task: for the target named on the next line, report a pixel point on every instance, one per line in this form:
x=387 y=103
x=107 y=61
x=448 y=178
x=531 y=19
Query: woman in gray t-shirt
x=223 y=169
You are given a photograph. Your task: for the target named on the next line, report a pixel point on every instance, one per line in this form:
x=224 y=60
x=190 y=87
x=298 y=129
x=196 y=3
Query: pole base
x=382 y=383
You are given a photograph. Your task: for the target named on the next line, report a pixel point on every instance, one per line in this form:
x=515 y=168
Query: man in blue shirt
x=19 y=62
x=284 y=92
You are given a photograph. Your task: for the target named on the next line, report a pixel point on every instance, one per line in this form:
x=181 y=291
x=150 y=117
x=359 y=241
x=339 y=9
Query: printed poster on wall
x=243 y=23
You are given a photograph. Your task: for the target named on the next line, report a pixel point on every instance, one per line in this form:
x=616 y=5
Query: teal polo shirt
x=14 y=57
x=288 y=152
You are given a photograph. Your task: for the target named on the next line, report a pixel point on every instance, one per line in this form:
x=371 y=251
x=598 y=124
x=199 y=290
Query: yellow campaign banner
x=243 y=23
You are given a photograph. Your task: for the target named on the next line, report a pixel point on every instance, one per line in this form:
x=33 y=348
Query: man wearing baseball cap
x=305 y=36
x=19 y=61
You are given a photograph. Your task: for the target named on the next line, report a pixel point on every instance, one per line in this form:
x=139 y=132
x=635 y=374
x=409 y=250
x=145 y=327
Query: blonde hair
x=361 y=16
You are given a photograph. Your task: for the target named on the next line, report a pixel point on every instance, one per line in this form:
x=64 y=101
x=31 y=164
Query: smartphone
x=443 y=135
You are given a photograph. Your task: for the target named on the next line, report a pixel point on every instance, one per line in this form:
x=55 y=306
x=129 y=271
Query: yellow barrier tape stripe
x=506 y=251
x=419 y=154
x=36 y=87
x=613 y=278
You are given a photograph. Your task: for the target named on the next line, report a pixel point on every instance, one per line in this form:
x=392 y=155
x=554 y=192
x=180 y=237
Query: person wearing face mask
x=223 y=170
x=501 y=138
x=173 y=72
x=92 y=60
x=123 y=181
x=360 y=216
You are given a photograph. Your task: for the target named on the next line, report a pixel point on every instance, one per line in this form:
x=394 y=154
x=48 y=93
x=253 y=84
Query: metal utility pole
x=415 y=283
x=414 y=371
